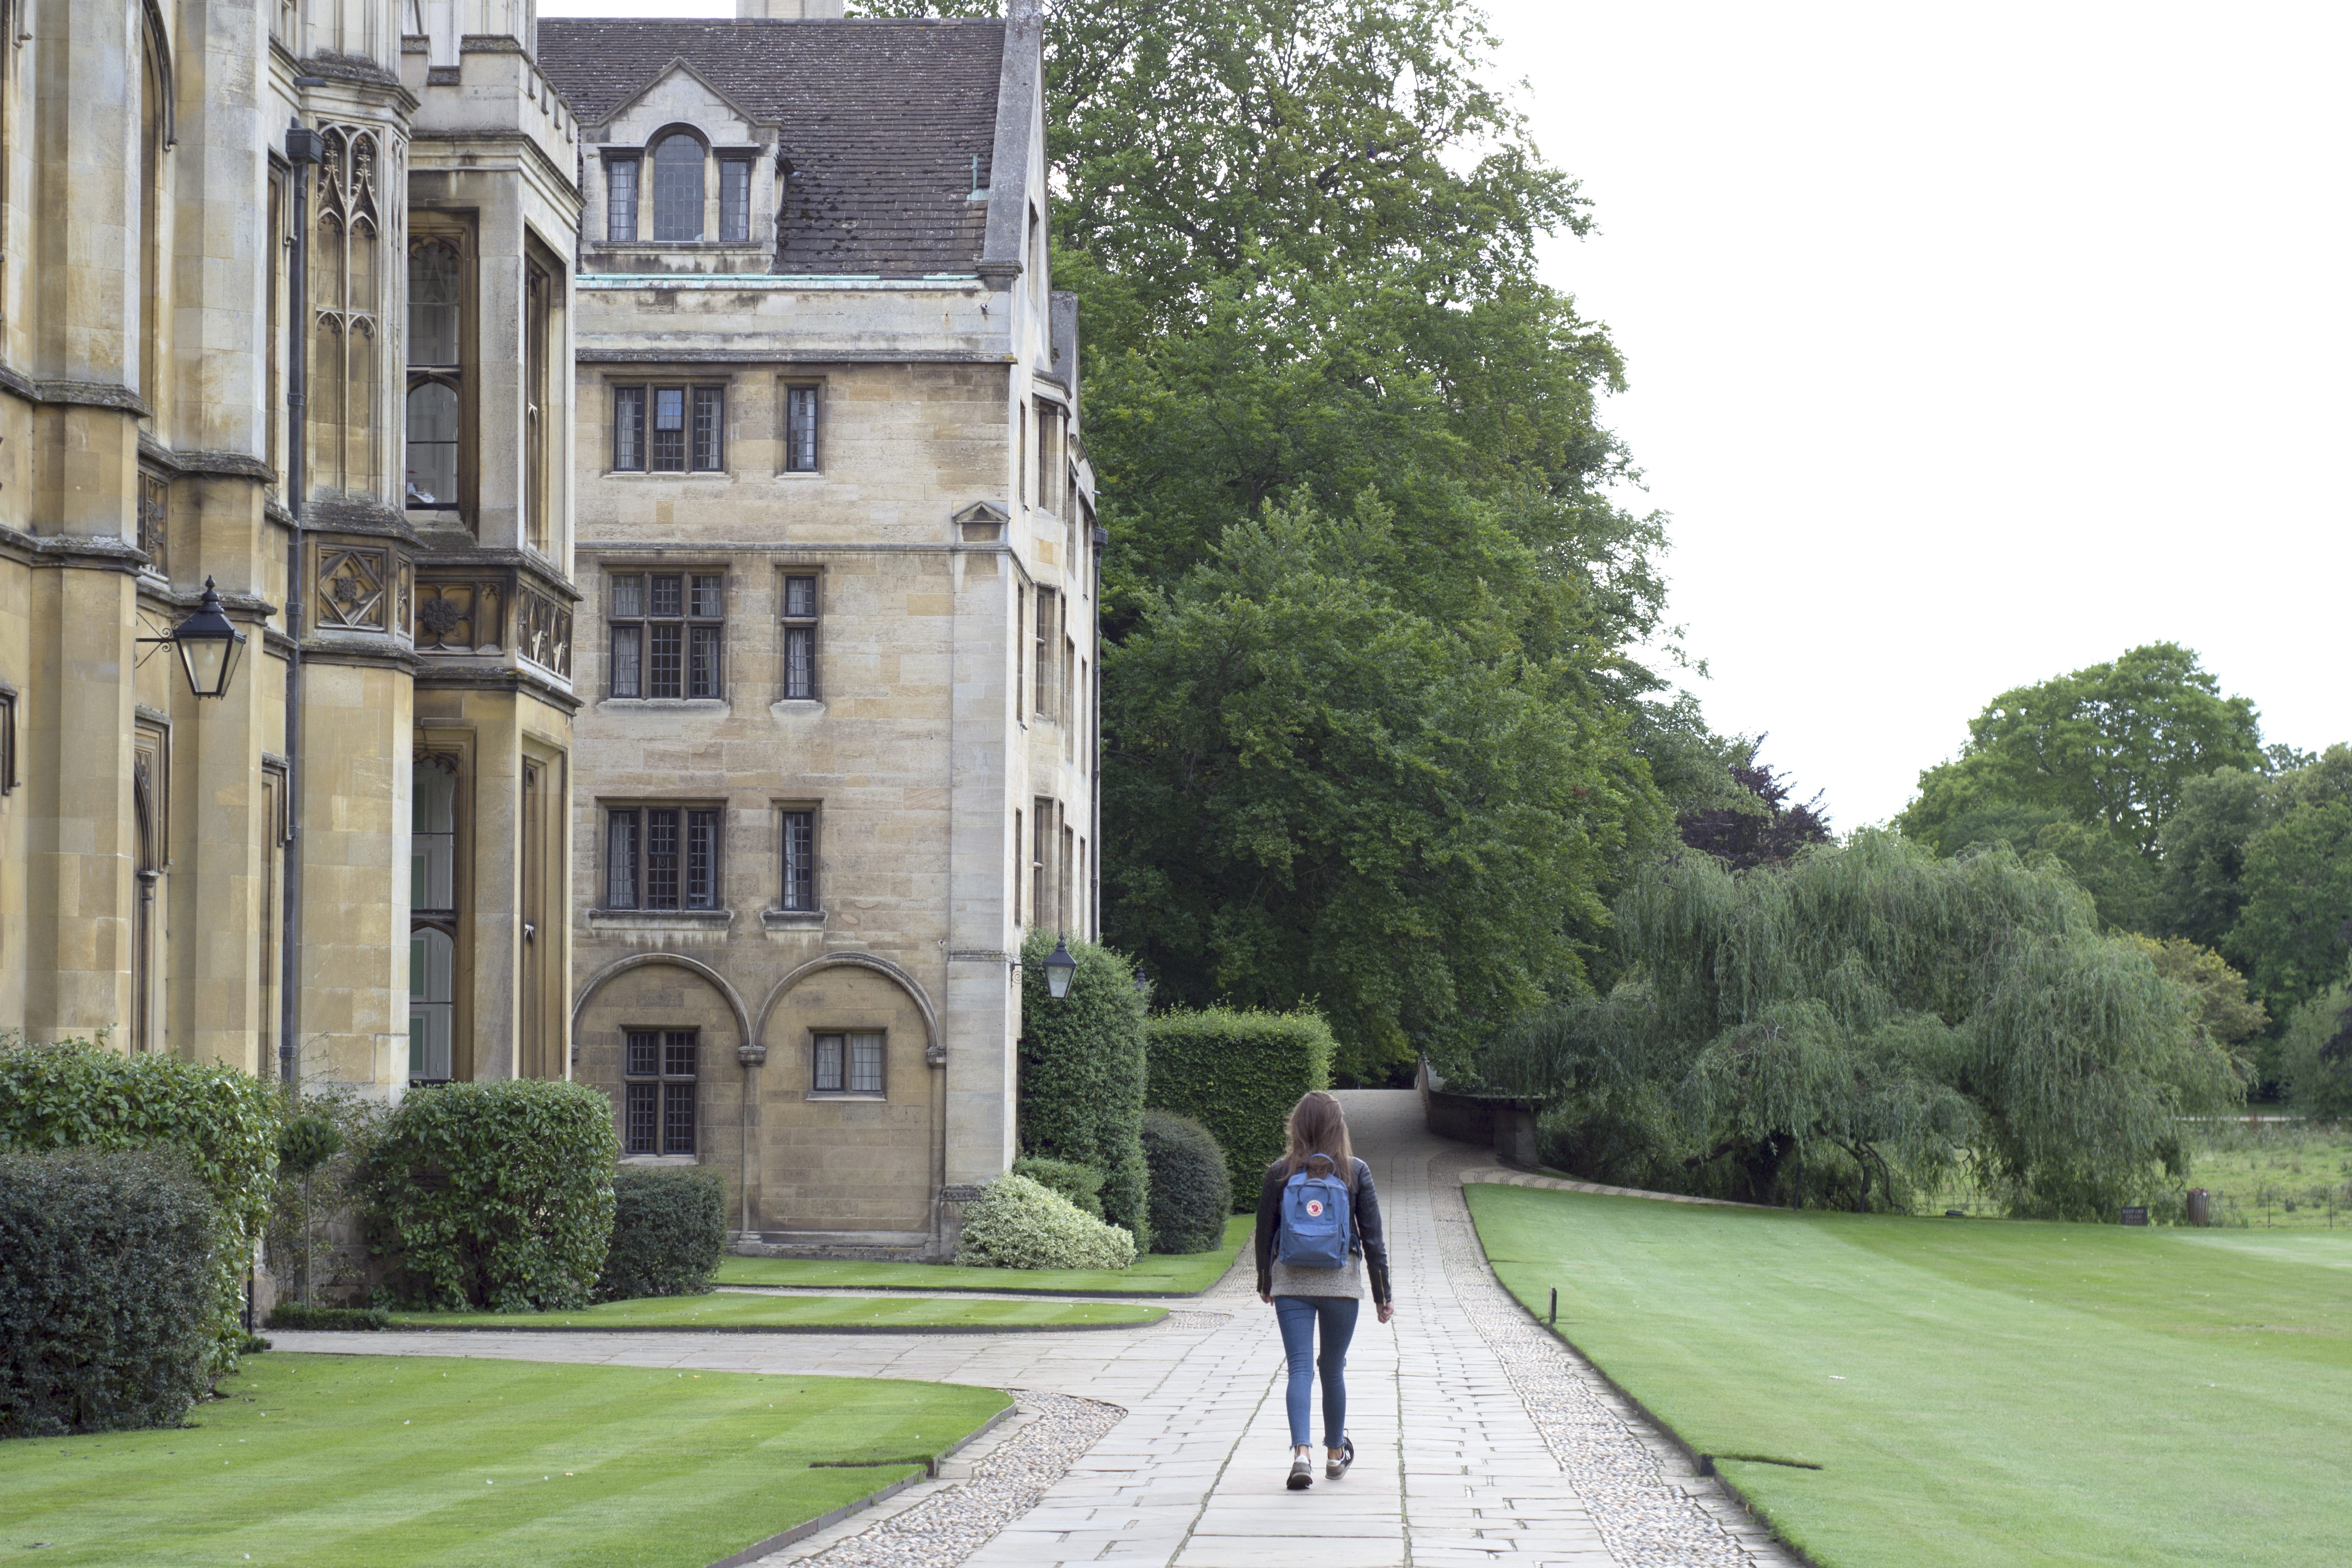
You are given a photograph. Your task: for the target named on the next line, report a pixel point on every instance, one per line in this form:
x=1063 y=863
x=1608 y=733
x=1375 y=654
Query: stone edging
x=809 y=1526
x=911 y=1328
x=1505 y=1176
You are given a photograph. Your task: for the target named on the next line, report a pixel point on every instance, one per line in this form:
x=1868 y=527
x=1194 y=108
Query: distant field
x=2273 y=1175
x=730 y=1309
x=1977 y=1393
x=1155 y=1273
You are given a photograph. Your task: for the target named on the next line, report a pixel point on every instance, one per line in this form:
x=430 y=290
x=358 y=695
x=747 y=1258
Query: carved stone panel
x=354 y=589
x=460 y=615
x=543 y=631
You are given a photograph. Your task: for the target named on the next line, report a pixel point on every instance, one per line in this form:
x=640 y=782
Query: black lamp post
x=1059 y=967
x=209 y=646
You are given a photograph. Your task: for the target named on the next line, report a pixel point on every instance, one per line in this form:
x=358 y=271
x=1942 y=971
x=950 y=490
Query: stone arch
x=905 y=982
x=716 y=981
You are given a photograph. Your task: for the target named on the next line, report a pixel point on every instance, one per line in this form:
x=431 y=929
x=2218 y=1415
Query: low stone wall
x=1504 y=1123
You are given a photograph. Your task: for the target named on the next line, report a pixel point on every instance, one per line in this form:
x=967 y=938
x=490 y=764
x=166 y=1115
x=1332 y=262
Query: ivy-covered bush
x=1018 y=1224
x=492 y=1196
x=109 y=1291
x=1082 y=1184
x=669 y=1231
x=78 y=1093
x=295 y=1315
x=1082 y=1074
x=1192 y=1192
x=1238 y=1074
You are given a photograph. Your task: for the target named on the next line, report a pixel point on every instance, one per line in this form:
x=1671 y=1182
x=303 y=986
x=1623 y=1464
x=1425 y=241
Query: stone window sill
x=660 y=920
x=791 y=919
x=661 y=1159
x=664 y=704
x=839 y=1095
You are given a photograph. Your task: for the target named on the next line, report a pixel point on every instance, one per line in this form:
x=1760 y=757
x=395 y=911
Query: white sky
x=1968 y=344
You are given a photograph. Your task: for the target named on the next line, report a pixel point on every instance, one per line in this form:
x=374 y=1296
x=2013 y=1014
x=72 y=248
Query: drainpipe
x=1094 y=898
x=302 y=150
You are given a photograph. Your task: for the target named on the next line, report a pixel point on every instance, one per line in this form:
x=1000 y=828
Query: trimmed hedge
x=1192 y=1192
x=492 y=1196
x=1018 y=1224
x=107 y=1290
x=79 y=1093
x=1082 y=1074
x=669 y=1231
x=1238 y=1074
x=1082 y=1184
x=294 y=1315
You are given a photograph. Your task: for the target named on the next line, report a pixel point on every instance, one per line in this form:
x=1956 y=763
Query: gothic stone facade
x=837 y=643
x=328 y=371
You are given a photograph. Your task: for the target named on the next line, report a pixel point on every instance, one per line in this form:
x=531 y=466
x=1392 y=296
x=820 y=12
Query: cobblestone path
x=1479 y=1438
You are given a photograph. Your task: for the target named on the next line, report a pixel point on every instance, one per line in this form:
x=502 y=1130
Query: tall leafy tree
x=2298 y=923
x=2114 y=744
x=1761 y=826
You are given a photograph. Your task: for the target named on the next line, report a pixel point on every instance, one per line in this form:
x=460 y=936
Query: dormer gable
x=681 y=95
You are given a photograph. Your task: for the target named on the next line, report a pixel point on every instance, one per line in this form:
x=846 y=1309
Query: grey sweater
x=1370 y=1256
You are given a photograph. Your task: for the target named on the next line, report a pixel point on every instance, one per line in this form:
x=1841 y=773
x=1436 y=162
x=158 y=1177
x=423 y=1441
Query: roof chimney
x=788 y=10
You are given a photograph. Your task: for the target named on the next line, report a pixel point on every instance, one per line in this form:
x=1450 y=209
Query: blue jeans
x=1298 y=1315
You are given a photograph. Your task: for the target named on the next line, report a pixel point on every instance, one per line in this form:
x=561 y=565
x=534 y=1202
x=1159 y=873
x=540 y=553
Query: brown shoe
x=1302 y=1475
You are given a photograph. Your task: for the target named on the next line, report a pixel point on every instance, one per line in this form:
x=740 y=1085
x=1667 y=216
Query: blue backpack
x=1317 y=1231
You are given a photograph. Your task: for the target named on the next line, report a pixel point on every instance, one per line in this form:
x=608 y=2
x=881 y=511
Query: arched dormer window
x=677 y=187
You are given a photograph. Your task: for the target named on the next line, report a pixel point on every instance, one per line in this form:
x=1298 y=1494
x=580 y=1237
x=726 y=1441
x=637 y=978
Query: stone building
x=286 y=304
x=838 y=557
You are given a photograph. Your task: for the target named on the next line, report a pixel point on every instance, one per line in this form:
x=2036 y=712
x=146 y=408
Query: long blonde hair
x=1317 y=1126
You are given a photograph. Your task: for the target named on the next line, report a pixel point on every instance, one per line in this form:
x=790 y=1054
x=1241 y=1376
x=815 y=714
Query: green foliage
x=306 y=1142
x=669 y=1231
x=492 y=1195
x=2114 y=744
x=2204 y=847
x=303 y=1203
x=2120 y=879
x=290 y=1315
x=1082 y=1074
x=1238 y=1073
x=1330 y=795
x=2315 y=1056
x=108 y=1296
x=77 y=1093
x=1018 y=1224
x=2216 y=993
x=1191 y=1191
x=2297 y=920
x=1874 y=1003
x=1082 y=1184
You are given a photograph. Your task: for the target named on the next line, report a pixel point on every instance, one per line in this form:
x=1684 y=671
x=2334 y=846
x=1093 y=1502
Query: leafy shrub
x=669 y=1230
x=1082 y=1074
x=109 y=1291
x=1018 y=1224
x=2317 y=1055
x=79 y=1094
x=1082 y=1184
x=1192 y=1192
x=295 y=1315
x=308 y=1251
x=1238 y=1074
x=494 y=1196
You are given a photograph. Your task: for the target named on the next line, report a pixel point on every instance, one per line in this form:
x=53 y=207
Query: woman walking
x=1318 y=1230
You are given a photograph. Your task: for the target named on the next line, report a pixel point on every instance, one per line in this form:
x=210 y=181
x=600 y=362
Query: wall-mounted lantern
x=1059 y=967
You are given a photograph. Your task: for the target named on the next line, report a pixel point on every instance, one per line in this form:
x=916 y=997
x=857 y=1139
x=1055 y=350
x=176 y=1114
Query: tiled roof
x=880 y=121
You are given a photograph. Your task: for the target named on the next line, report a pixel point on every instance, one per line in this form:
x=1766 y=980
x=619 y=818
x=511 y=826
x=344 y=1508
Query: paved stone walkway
x=1479 y=1438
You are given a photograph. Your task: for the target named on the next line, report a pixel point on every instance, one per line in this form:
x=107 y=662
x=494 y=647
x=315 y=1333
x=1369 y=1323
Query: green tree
x=2216 y=993
x=1333 y=797
x=2297 y=920
x=2114 y=744
x=1856 y=1022
x=2203 y=843
x=2316 y=1054
x=2119 y=879
x=1082 y=1074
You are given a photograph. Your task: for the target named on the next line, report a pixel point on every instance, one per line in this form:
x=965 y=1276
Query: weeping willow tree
x=1847 y=1028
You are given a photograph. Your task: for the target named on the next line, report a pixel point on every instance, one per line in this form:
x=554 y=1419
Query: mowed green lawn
x=322 y=1461
x=727 y=1310
x=1154 y=1274
x=1978 y=1393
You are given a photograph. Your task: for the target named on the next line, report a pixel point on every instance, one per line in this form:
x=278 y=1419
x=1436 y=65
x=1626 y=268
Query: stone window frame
x=455 y=230
x=847 y=1034
x=694 y=389
x=711 y=233
x=9 y=701
x=790 y=388
x=665 y=1086
x=452 y=748
x=689 y=620
x=801 y=632
x=640 y=847
x=784 y=911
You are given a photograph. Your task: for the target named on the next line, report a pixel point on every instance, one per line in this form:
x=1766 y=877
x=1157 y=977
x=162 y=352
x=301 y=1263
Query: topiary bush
x=1238 y=1074
x=669 y=1231
x=109 y=1291
x=1192 y=1192
x=1019 y=1224
x=1082 y=1184
x=295 y=1315
x=492 y=1196
x=1082 y=1074
x=80 y=1093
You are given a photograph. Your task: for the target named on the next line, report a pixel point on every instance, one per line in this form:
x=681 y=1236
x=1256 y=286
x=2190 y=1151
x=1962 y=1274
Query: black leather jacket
x=1364 y=1204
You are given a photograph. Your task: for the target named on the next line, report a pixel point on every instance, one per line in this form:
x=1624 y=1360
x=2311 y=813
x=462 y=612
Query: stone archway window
x=432 y=995
x=677 y=187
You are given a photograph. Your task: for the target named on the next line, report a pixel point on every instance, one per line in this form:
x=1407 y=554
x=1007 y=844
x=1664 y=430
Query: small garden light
x=1142 y=982
x=1059 y=967
x=209 y=646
